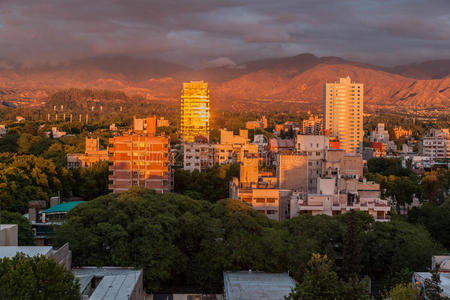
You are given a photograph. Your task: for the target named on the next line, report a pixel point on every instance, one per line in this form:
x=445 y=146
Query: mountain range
x=270 y=84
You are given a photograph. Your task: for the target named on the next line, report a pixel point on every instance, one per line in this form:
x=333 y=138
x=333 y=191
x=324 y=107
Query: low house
x=62 y=255
x=113 y=283
x=440 y=263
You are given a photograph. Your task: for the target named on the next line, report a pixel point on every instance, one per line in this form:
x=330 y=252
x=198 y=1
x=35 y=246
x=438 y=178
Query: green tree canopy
x=185 y=244
x=27 y=177
x=211 y=184
x=36 y=278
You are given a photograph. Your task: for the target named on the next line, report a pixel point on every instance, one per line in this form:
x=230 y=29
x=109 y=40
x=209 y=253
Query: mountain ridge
x=287 y=81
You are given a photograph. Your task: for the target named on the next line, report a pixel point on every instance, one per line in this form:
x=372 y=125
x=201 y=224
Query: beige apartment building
x=232 y=148
x=312 y=126
x=331 y=200
x=91 y=155
x=343 y=113
x=198 y=156
x=436 y=144
x=145 y=125
x=195 y=110
x=315 y=148
x=260 y=191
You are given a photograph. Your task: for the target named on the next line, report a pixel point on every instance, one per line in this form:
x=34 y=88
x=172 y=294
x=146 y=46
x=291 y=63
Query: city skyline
x=224 y=149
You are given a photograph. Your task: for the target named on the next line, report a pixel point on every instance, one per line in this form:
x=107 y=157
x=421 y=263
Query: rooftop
x=445 y=280
x=257 y=285
x=64 y=207
x=116 y=283
x=11 y=251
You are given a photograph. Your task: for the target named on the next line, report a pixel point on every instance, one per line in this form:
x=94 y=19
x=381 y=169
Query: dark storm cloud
x=227 y=32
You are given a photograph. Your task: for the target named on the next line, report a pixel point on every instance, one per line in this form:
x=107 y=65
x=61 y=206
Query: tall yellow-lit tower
x=195 y=110
x=343 y=113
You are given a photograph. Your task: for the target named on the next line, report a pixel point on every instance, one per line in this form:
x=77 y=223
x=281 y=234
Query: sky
x=200 y=33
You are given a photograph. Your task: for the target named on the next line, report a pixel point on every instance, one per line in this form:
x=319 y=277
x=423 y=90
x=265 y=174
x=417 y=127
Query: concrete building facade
x=198 y=156
x=436 y=144
x=312 y=126
x=315 y=148
x=140 y=160
x=145 y=125
x=343 y=113
x=91 y=155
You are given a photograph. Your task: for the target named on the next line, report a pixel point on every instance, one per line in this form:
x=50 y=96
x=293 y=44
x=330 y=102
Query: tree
x=387 y=166
x=436 y=185
x=390 y=247
x=92 y=182
x=321 y=282
x=352 y=247
x=211 y=184
x=40 y=278
x=403 y=291
x=181 y=242
x=8 y=143
x=435 y=218
x=402 y=189
x=27 y=177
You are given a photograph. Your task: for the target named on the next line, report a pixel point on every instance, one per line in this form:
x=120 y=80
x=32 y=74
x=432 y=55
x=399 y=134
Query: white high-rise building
x=343 y=113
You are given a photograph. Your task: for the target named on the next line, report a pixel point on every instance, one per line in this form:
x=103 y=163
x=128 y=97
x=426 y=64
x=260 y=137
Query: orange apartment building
x=140 y=159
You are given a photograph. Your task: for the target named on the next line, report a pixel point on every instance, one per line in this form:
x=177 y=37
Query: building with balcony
x=312 y=126
x=267 y=192
x=198 y=156
x=315 y=148
x=343 y=113
x=195 y=110
x=232 y=148
x=436 y=144
x=140 y=160
x=333 y=198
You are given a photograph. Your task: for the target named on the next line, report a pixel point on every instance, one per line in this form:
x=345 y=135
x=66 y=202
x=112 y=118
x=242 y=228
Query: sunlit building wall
x=140 y=160
x=343 y=112
x=195 y=110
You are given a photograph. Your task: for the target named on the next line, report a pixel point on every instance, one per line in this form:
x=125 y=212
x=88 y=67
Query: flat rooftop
x=11 y=251
x=257 y=285
x=116 y=283
x=445 y=280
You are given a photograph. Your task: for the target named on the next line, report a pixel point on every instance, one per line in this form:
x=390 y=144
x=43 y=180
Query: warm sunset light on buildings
x=343 y=112
x=195 y=110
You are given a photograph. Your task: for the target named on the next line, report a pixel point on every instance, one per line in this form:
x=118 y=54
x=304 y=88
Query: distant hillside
x=279 y=83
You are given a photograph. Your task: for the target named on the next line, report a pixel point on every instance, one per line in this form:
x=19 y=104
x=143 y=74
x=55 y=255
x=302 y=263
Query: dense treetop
x=185 y=244
x=36 y=278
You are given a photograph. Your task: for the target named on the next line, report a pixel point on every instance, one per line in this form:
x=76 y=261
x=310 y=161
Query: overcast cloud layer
x=224 y=32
